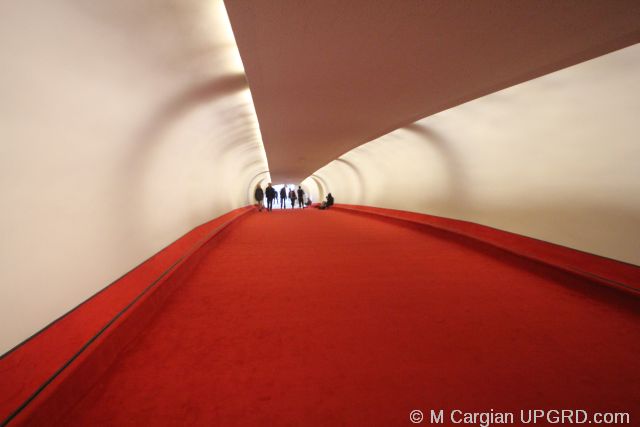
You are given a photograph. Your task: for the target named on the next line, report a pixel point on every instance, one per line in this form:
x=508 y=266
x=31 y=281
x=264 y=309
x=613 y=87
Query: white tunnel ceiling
x=329 y=75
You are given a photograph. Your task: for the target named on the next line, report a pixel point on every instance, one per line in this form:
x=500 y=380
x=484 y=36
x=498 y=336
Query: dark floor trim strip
x=628 y=289
x=53 y=322
x=169 y=270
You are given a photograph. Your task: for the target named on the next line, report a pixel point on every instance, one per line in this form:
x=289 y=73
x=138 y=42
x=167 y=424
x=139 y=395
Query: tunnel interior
x=486 y=233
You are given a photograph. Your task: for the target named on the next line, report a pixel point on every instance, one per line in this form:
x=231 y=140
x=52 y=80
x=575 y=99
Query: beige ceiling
x=329 y=75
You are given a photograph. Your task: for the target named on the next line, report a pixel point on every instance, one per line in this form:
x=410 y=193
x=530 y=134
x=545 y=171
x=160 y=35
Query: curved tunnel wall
x=556 y=158
x=123 y=125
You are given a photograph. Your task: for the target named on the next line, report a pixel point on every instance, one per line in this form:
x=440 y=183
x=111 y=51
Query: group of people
x=271 y=194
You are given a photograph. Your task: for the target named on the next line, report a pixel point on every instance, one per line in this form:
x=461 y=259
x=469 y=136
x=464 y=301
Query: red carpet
x=332 y=318
x=329 y=318
x=601 y=270
x=34 y=362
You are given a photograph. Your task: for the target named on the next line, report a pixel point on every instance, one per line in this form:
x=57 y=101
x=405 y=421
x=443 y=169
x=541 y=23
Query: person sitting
x=328 y=203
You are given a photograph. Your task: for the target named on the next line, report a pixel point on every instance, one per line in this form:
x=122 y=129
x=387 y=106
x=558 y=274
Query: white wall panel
x=556 y=158
x=123 y=125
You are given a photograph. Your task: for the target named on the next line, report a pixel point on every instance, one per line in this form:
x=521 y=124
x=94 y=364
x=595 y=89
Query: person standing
x=271 y=194
x=259 y=196
x=292 y=197
x=300 y=197
x=283 y=197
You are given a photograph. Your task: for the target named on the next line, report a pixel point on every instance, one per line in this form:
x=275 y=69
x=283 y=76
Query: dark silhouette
x=300 y=197
x=271 y=194
x=292 y=196
x=259 y=196
x=283 y=197
x=328 y=203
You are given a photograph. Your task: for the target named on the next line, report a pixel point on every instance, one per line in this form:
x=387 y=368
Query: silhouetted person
x=283 y=197
x=300 y=197
x=292 y=197
x=271 y=194
x=328 y=203
x=329 y=200
x=259 y=196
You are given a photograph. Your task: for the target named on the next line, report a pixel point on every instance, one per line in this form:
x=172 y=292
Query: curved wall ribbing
x=124 y=125
x=556 y=158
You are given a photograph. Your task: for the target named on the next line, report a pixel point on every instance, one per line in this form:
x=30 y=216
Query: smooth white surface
x=330 y=75
x=123 y=125
x=556 y=158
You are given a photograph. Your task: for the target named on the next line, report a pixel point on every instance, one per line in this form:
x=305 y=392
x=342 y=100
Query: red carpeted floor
x=329 y=318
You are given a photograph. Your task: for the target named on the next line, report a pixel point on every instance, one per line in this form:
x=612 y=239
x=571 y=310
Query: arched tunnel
x=479 y=262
